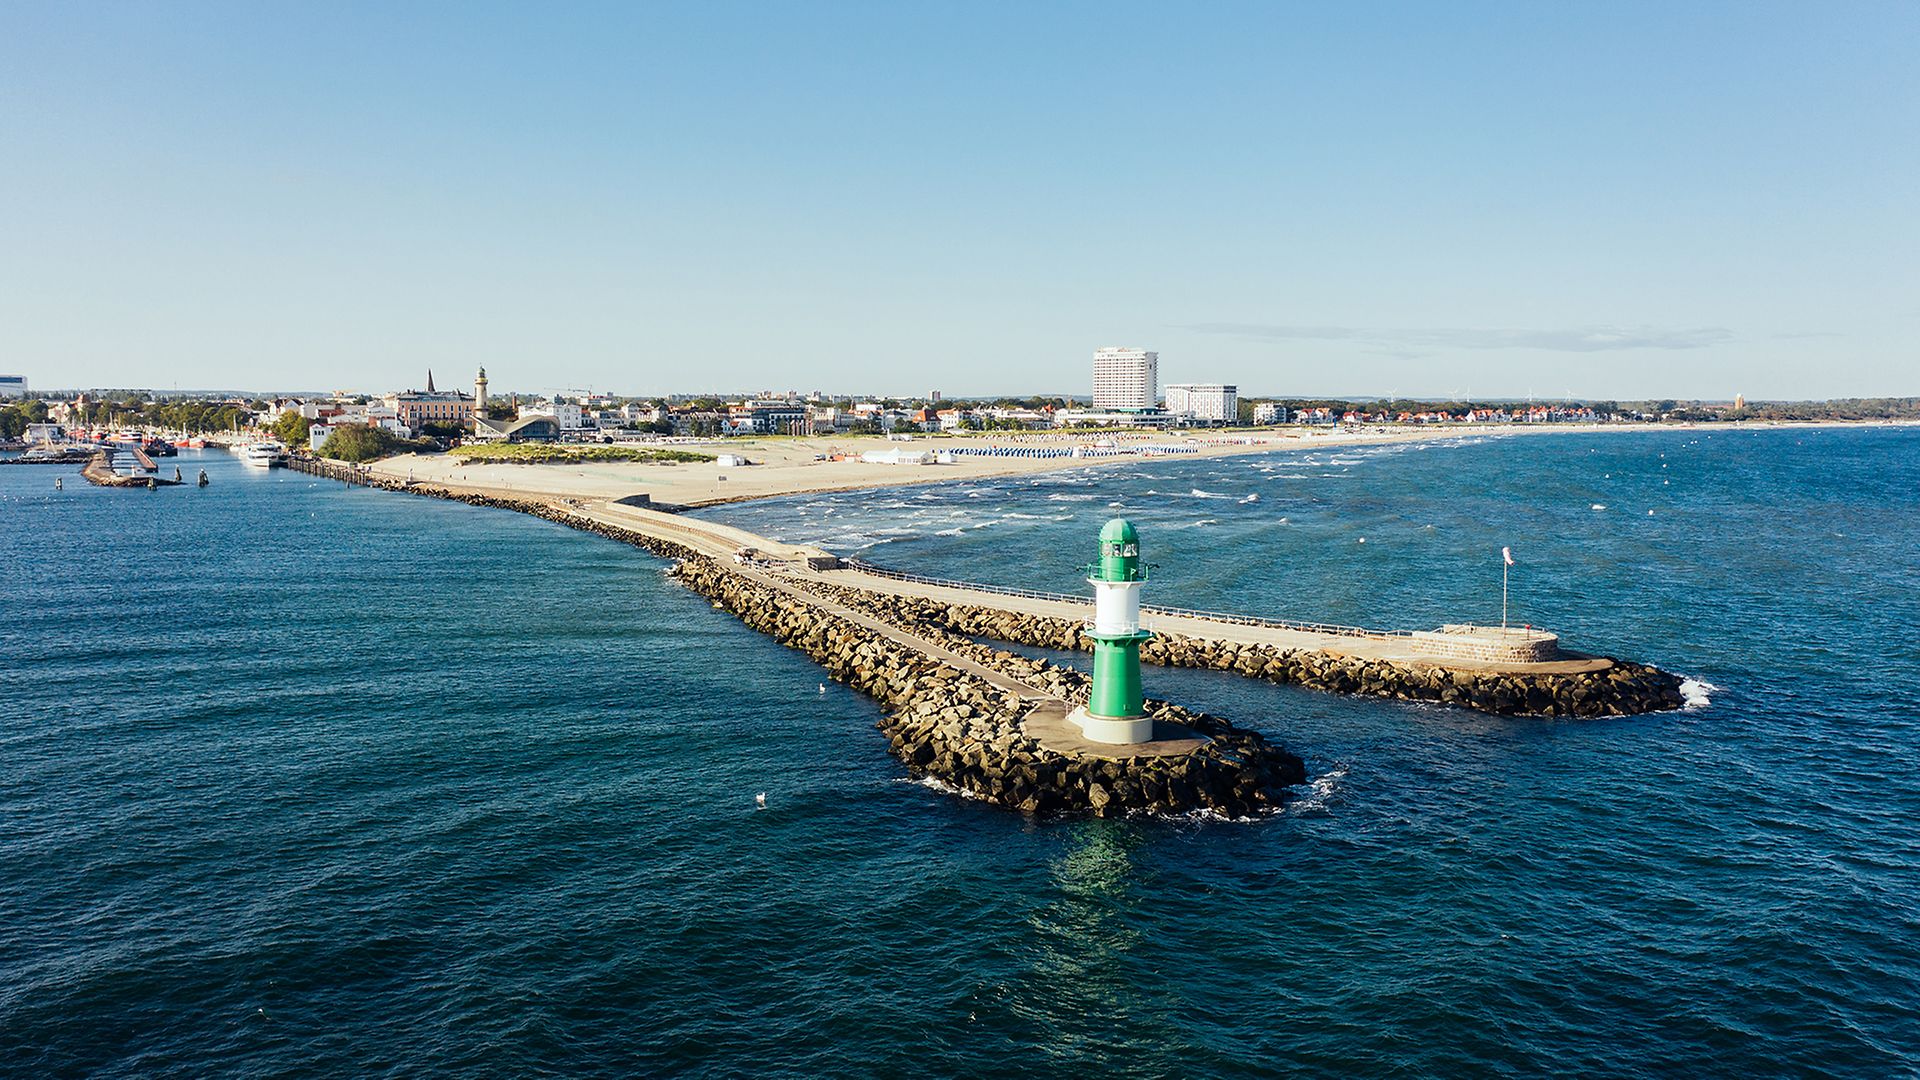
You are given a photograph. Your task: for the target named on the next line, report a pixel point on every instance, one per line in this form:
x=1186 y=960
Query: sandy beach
x=794 y=466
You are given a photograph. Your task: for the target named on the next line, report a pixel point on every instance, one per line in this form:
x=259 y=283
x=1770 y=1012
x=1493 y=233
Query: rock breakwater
x=1622 y=688
x=959 y=728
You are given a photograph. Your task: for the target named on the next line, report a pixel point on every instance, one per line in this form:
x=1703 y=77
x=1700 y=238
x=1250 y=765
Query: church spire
x=429 y=380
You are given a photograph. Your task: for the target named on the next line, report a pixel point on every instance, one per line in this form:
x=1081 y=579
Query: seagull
x=823 y=688
x=760 y=800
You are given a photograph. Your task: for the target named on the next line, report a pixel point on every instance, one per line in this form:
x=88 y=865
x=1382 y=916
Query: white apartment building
x=1269 y=413
x=1125 y=379
x=567 y=414
x=1211 y=403
x=13 y=386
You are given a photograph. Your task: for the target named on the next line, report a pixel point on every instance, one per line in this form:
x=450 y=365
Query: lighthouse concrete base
x=1112 y=731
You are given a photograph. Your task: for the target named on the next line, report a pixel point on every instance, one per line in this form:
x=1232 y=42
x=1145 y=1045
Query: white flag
x=1507 y=554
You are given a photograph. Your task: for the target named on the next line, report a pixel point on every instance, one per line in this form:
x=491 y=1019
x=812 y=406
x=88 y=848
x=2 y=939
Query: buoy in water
x=760 y=800
x=58 y=484
x=203 y=478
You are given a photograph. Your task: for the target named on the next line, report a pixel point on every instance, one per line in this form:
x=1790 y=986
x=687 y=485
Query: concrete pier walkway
x=724 y=541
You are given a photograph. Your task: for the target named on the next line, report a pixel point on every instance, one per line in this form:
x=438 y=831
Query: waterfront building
x=523 y=429
x=1154 y=418
x=1021 y=417
x=567 y=414
x=417 y=408
x=769 y=416
x=827 y=418
x=13 y=386
x=317 y=432
x=1269 y=413
x=1125 y=378
x=1211 y=403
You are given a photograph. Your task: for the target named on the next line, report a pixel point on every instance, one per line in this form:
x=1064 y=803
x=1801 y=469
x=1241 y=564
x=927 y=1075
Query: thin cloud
x=1581 y=340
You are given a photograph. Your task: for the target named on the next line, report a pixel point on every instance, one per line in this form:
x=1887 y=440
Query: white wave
x=950 y=532
x=1196 y=524
x=1599 y=506
x=1318 y=792
x=1071 y=498
x=1253 y=498
x=935 y=784
x=1694 y=692
x=1116 y=504
x=1198 y=494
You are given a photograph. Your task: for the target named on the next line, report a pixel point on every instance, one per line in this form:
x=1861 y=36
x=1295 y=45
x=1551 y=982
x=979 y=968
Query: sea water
x=302 y=779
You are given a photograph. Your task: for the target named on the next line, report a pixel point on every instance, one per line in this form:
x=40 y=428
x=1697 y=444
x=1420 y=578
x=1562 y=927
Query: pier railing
x=332 y=470
x=1328 y=629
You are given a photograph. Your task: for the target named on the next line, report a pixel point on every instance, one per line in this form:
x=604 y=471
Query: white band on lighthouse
x=1116 y=606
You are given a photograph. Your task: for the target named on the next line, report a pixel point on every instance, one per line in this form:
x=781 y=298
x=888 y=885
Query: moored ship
x=264 y=454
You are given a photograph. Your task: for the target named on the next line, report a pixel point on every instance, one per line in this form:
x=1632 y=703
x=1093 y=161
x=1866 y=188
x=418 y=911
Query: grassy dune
x=569 y=454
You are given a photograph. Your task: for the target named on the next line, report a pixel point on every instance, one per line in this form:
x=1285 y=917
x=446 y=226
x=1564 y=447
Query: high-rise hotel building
x=1125 y=379
x=1214 y=403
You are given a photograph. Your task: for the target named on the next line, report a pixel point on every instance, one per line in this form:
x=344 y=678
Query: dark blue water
x=297 y=779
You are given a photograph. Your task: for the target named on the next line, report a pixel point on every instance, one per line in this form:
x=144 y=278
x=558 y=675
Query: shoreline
x=789 y=467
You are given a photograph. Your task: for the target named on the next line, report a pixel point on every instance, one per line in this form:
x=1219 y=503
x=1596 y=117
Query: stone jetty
x=974 y=736
x=990 y=724
x=1617 y=688
x=99 y=472
x=988 y=738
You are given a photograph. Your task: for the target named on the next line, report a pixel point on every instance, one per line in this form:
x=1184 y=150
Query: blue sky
x=1616 y=200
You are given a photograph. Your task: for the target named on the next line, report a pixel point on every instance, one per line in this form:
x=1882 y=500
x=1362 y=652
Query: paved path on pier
x=1027 y=692
x=722 y=541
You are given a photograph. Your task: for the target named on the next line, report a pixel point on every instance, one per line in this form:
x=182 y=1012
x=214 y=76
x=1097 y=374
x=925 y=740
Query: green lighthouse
x=1115 y=712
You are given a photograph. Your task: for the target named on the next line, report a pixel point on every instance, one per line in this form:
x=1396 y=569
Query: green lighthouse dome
x=1120 y=551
